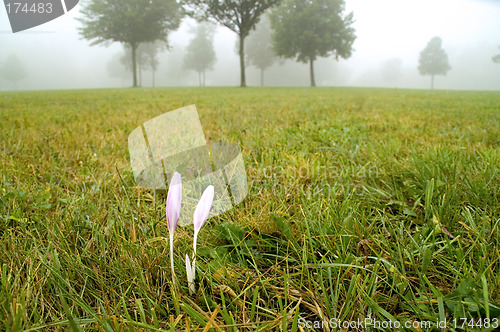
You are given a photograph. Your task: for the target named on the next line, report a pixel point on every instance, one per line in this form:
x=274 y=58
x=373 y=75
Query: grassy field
x=363 y=204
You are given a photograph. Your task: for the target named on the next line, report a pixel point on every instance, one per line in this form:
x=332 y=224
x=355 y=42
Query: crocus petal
x=203 y=208
x=174 y=198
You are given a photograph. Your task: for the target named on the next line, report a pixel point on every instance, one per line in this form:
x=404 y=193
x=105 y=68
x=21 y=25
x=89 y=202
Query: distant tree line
x=304 y=30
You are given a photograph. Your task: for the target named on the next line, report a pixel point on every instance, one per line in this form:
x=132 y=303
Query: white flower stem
x=189 y=273
x=194 y=253
x=172 y=256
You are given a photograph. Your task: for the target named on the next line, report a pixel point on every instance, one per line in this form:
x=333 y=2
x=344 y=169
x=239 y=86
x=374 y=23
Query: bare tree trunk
x=199 y=78
x=242 y=61
x=203 y=78
x=261 y=76
x=133 y=47
x=432 y=82
x=313 y=81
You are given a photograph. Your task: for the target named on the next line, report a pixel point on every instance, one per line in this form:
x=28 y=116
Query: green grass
x=362 y=203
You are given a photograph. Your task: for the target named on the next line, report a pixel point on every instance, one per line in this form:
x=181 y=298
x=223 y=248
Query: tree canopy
x=130 y=22
x=308 y=29
x=240 y=16
x=200 y=53
x=433 y=60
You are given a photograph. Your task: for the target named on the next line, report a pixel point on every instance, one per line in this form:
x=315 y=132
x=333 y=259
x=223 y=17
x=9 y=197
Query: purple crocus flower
x=200 y=215
x=173 y=211
x=201 y=212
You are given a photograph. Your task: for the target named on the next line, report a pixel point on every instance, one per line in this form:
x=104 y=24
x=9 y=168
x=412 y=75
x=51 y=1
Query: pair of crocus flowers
x=200 y=215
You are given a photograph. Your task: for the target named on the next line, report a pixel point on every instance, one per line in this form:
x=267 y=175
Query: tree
x=145 y=57
x=259 y=50
x=140 y=61
x=150 y=52
x=391 y=70
x=174 y=60
x=433 y=60
x=130 y=22
x=200 y=53
x=13 y=69
x=308 y=29
x=116 y=68
x=240 y=16
x=496 y=58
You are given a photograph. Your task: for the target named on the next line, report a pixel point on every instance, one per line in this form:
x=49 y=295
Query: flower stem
x=194 y=254
x=172 y=256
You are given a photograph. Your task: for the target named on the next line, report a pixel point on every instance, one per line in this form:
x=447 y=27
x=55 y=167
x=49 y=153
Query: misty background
x=390 y=36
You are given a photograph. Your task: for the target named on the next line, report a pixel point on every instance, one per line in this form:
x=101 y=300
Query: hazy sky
x=56 y=57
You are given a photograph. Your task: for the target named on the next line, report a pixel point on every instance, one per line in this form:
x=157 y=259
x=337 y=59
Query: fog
x=390 y=36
